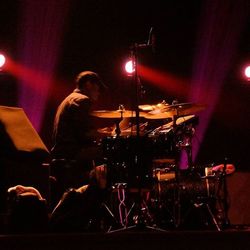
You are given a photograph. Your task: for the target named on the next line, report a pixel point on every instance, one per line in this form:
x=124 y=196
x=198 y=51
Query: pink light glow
x=216 y=46
x=41 y=33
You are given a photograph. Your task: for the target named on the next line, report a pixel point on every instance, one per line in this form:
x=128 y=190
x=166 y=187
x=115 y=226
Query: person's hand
x=230 y=168
x=101 y=176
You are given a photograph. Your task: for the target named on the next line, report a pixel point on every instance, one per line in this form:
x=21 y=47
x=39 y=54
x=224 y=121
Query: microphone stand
x=137 y=162
x=142 y=211
x=140 y=219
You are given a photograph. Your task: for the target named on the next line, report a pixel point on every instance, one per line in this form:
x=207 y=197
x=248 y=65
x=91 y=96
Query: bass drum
x=196 y=207
x=129 y=161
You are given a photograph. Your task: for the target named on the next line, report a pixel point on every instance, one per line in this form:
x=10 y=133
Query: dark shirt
x=72 y=126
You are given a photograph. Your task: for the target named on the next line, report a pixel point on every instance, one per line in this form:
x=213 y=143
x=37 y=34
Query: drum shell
x=129 y=160
x=193 y=189
x=196 y=194
x=163 y=145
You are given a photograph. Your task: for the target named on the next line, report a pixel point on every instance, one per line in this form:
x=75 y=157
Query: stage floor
x=231 y=239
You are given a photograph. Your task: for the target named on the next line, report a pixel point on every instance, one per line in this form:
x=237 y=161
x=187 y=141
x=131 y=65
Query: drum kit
x=136 y=156
x=148 y=162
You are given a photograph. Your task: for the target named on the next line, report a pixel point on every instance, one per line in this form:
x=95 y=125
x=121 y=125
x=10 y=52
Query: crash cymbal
x=180 y=109
x=116 y=114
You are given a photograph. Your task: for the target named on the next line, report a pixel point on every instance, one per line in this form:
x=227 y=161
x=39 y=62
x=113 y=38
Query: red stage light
x=247 y=72
x=2 y=60
x=129 y=67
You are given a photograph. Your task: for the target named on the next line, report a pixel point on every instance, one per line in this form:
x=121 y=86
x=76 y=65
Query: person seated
x=27 y=210
x=75 y=151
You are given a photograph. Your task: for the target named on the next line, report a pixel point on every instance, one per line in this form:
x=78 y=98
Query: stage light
x=247 y=72
x=2 y=60
x=129 y=67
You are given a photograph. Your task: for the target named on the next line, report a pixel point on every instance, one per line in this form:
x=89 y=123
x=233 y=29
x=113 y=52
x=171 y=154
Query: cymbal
x=180 y=109
x=116 y=114
x=108 y=131
x=179 y=121
x=169 y=126
x=159 y=114
x=185 y=108
x=149 y=107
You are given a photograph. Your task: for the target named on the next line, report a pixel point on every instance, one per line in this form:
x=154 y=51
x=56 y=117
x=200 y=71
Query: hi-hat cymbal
x=116 y=114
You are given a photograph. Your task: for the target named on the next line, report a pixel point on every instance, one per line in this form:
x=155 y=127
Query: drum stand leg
x=122 y=222
x=213 y=218
x=142 y=218
x=204 y=211
x=177 y=200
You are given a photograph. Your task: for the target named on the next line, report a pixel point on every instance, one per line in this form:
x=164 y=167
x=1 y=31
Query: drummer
x=74 y=133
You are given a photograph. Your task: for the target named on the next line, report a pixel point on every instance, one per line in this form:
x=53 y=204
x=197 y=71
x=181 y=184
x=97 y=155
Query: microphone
x=151 y=41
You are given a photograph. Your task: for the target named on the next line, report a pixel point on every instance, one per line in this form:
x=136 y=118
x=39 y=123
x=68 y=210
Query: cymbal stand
x=177 y=200
x=117 y=122
x=187 y=145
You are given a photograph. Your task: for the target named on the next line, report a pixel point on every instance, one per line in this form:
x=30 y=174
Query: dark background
x=97 y=36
